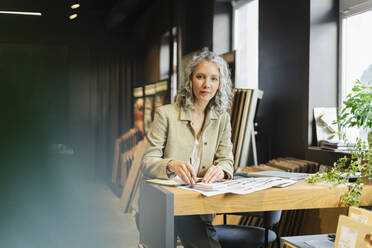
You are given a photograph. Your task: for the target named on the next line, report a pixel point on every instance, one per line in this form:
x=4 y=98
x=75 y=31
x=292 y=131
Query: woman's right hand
x=183 y=170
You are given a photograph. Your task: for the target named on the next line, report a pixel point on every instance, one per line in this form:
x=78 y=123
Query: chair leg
x=277 y=235
x=278 y=241
x=266 y=237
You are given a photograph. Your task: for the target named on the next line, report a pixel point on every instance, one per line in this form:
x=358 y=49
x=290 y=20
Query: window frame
x=347 y=8
x=253 y=75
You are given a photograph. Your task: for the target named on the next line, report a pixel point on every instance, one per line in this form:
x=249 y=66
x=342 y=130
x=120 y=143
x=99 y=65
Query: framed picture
x=149 y=106
x=161 y=93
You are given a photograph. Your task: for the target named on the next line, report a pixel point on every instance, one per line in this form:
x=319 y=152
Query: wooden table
x=159 y=205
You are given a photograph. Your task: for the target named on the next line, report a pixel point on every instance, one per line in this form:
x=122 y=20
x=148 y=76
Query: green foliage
x=352 y=197
x=356 y=113
x=360 y=160
x=358 y=107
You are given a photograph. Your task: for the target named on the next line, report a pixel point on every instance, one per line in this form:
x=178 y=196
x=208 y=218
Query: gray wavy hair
x=221 y=102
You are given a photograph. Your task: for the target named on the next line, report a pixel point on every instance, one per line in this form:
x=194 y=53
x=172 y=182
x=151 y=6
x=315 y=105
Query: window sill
x=317 y=148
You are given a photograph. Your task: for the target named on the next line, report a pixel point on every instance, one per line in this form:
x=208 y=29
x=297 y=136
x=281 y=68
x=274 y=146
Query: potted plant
x=357 y=112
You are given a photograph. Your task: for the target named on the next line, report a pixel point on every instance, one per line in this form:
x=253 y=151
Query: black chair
x=235 y=236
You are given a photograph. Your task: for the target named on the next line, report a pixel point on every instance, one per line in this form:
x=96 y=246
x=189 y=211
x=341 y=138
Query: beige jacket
x=172 y=137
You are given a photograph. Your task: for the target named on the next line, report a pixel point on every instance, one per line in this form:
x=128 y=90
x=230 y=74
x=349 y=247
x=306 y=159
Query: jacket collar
x=185 y=115
x=212 y=114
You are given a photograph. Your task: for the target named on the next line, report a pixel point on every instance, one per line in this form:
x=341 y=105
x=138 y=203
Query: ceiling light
x=73 y=16
x=20 y=13
x=75 y=6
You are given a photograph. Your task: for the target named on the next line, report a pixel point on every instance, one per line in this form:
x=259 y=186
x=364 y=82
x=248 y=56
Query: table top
x=301 y=195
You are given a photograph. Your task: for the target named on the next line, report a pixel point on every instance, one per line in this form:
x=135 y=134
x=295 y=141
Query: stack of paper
x=209 y=186
x=336 y=145
x=166 y=182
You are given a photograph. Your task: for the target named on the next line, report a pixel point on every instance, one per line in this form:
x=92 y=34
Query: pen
x=192 y=166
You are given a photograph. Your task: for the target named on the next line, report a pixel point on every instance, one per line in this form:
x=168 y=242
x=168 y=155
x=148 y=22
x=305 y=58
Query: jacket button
x=205 y=143
x=203 y=167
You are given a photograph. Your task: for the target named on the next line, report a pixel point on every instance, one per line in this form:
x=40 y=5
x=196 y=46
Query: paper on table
x=282 y=174
x=241 y=186
x=176 y=181
x=209 y=186
x=286 y=183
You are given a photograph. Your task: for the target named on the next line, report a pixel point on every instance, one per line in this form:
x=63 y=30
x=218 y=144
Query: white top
x=196 y=155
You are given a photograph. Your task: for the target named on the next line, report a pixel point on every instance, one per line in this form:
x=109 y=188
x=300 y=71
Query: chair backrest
x=272 y=217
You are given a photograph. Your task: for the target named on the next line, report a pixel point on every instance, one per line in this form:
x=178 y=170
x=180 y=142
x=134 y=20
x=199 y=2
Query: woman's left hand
x=214 y=173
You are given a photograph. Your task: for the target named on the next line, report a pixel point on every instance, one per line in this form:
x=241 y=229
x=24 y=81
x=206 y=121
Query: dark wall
x=100 y=106
x=34 y=81
x=283 y=76
x=82 y=114
x=198 y=25
x=48 y=86
x=33 y=97
x=323 y=71
x=298 y=47
x=193 y=17
x=46 y=97
x=36 y=97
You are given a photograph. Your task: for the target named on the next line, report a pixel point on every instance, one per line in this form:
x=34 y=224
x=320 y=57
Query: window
x=245 y=42
x=356 y=51
x=164 y=61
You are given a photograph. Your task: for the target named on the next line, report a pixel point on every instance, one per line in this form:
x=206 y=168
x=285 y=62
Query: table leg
x=156 y=219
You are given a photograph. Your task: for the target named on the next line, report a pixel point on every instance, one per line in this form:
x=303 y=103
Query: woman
x=192 y=138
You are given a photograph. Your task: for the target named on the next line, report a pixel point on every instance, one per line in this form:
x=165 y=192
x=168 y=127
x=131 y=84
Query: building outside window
x=356 y=50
